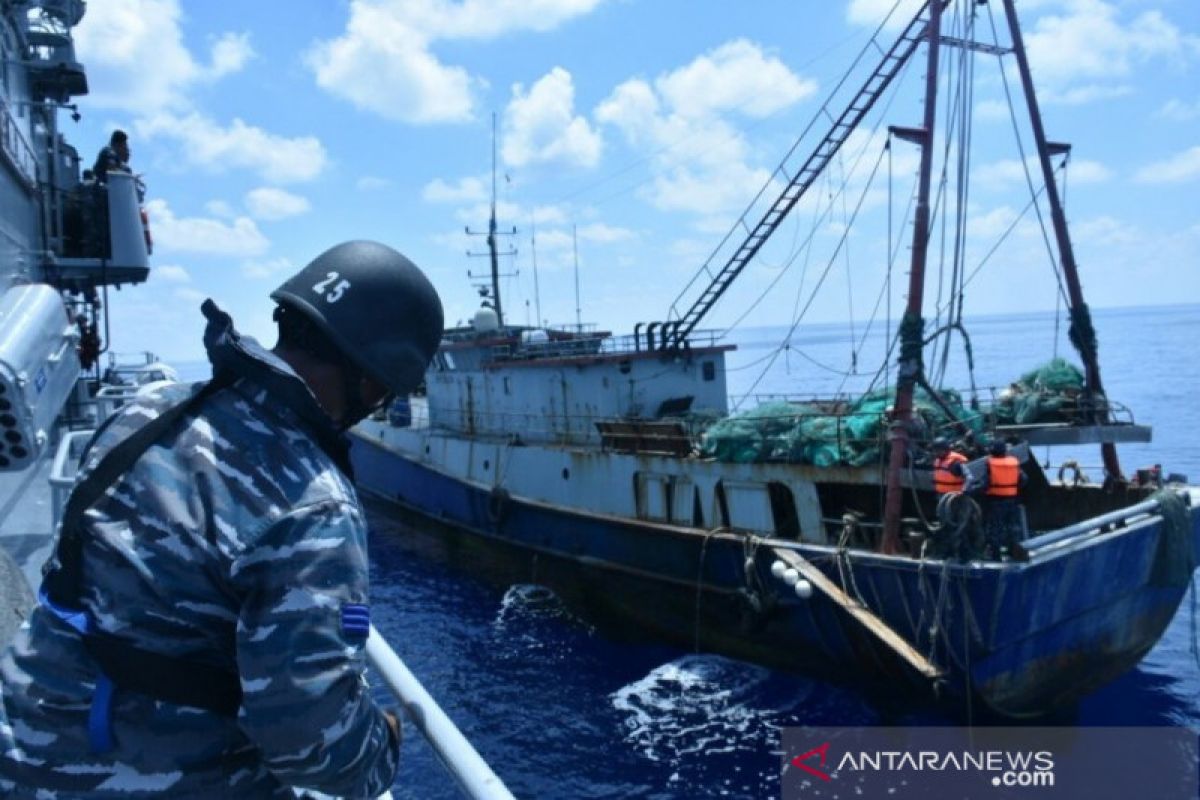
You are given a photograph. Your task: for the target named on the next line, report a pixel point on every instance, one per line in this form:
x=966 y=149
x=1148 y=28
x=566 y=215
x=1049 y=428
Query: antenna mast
x=578 y=308
x=537 y=295
x=493 y=254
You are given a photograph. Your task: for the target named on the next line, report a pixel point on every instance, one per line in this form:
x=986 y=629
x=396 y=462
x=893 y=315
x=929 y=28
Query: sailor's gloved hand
x=394 y=723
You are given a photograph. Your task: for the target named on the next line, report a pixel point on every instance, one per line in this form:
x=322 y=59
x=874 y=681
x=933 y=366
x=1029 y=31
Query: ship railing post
x=473 y=775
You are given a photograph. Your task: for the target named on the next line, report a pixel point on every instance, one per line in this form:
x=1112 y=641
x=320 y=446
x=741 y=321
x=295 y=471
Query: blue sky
x=268 y=131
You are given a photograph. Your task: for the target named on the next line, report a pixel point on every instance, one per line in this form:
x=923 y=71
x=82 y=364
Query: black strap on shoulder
x=125 y=453
x=177 y=680
x=173 y=679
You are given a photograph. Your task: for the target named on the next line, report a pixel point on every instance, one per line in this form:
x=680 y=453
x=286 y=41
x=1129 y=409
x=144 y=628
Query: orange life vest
x=1004 y=476
x=945 y=481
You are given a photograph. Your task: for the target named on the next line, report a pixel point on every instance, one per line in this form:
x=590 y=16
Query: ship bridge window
x=444 y=362
x=709 y=371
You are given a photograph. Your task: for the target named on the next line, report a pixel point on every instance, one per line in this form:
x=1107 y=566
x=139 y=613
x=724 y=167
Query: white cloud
x=371 y=183
x=993 y=223
x=699 y=159
x=382 y=64
x=171 y=273
x=469 y=190
x=219 y=208
x=204 y=143
x=737 y=76
x=991 y=110
x=269 y=203
x=267 y=269
x=1105 y=231
x=600 y=233
x=1009 y=172
x=1180 y=168
x=1090 y=42
x=190 y=295
x=873 y=12
x=241 y=237
x=229 y=54
x=384 y=61
x=1180 y=110
x=1088 y=172
x=541 y=126
x=134 y=49
x=120 y=39
x=1082 y=95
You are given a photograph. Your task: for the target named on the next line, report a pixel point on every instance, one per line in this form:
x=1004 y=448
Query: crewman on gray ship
x=202 y=623
x=113 y=157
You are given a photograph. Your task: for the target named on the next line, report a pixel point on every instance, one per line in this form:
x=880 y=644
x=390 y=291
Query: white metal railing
x=473 y=775
x=62 y=471
x=15 y=147
x=110 y=398
x=1118 y=518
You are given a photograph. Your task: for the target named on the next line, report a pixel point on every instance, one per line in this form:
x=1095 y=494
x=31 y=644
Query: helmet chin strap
x=354 y=410
x=353 y=407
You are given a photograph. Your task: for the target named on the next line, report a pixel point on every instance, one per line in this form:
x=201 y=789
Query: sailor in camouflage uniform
x=214 y=645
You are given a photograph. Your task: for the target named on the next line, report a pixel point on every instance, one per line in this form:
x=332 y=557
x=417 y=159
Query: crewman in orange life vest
x=1002 y=511
x=949 y=474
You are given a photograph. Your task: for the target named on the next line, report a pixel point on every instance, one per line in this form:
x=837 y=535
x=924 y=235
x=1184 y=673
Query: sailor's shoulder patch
x=356 y=622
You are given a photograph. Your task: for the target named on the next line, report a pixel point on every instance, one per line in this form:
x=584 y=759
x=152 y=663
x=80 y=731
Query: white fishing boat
x=815 y=541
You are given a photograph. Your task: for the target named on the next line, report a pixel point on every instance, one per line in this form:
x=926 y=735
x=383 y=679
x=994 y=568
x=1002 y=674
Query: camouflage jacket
x=235 y=540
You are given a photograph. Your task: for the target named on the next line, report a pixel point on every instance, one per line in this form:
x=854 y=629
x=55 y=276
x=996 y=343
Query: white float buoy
x=778 y=568
x=803 y=589
x=790 y=576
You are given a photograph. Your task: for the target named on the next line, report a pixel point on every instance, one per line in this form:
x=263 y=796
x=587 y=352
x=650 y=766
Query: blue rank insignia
x=356 y=622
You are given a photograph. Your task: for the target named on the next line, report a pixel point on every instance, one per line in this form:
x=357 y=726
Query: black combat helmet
x=375 y=305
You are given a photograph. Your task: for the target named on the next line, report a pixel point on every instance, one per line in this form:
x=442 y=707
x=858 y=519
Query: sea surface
x=563 y=709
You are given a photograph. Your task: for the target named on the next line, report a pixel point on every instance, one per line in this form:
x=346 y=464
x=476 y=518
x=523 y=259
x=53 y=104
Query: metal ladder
x=679 y=326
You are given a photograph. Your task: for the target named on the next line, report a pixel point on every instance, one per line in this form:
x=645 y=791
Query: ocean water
x=563 y=709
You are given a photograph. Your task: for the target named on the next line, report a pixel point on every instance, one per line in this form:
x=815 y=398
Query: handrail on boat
x=62 y=471
x=1119 y=517
x=473 y=775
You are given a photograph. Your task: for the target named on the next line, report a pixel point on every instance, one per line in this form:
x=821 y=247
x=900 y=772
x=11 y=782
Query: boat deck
x=26 y=538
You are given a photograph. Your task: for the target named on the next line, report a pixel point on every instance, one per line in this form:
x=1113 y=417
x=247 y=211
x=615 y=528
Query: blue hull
x=1024 y=639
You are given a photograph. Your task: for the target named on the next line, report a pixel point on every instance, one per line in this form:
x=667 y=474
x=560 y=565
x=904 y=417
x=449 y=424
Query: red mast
x=911 y=327
x=1082 y=334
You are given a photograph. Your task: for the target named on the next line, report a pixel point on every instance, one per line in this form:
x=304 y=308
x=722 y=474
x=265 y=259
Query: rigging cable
x=1054 y=264
x=964 y=105
x=849 y=271
x=824 y=274
x=1004 y=236
x=807 y=245
x=797 y=314
x=781 y=169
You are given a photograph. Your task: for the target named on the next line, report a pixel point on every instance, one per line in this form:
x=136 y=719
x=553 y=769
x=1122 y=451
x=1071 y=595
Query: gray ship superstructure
x=65 y=239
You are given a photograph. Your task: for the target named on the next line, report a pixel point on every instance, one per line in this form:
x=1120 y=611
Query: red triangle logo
x=821 y=752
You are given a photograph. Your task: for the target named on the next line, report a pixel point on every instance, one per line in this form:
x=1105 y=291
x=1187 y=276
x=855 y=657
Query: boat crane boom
x=679 y=325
